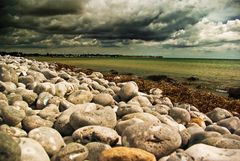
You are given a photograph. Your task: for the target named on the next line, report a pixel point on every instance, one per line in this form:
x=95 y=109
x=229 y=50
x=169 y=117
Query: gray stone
x=26 y=79
x=232 y=123
x=62 y=123
x=185 y=135
x=94 y=115
x=28 y=95
x=219 y=129
x=50 y=112
x=237 y=131
x=71 y=152
x=218 y=114
x=12 y=116
x=103 y=99
x=38 y=77
x=159 y=139
x=211 y=153
x=9 y=149
x=3 y=97
x=45 y=87
x=146 y=117
x=42 y=100
x=222 y=142
x=124 y=109
x=80 y=97
x=194 y=128
x=31 y=150
x=161 y=109
x=13 y=97
x=49 y=74
x=8 y=74
x=181 y=116
x=140 y=101
x=95 y=149
x=13 y=131
x=49 y=138
x=128 y=91
x=34 y=121
x=178 y=156
x=101 y=134
x=7 y=87
x=200 y=136
x=122 y=125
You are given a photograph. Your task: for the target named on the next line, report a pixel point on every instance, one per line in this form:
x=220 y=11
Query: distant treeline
x=20 y=54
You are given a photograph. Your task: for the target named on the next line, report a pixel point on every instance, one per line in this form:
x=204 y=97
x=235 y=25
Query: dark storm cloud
x=105 y=22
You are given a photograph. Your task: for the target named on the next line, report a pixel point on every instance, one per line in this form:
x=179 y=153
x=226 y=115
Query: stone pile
x=70 y=116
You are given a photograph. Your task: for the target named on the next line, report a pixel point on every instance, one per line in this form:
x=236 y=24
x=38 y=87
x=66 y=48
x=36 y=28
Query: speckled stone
x=159 y=139
x=71 y=152
x=9 y=149
x=49 y=138
x=101 y=134
x=126 y=154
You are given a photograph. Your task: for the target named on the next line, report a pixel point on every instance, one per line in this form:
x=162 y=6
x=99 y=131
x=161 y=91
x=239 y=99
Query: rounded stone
x=210 y=153
x=9 y=149
x=12 y=116
x=141 y=101
x=95 y=149
x=3 y=97
x=200 y=136
x=49 y=138
x=226 y=143
x=180 y=115
x=101 y=134
x=31 y=150
x=122 y=125
x=50 y=112
x=231 y=123
x=128 y=91
x=159 y=139
x=34 y=121
x=28 y=95
x=43 y=99
x=8 y=74
x=80 y=97
x=96 y=115
x=45 y=87
x=219 y=129
x=124 y=109
x=146 y=117
x=103 y=99
x=126 y=154
x=49 y=74
x=13 y=131
x=218 y=114
x=13 y=97
x=71 y=152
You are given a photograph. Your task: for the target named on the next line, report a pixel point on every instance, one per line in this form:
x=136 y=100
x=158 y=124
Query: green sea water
x=213 y=73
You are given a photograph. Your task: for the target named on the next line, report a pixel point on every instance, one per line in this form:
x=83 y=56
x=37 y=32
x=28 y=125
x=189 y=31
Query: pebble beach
x=51 y=113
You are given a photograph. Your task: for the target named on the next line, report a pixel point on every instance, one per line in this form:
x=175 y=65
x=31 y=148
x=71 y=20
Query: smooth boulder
x=159 y=139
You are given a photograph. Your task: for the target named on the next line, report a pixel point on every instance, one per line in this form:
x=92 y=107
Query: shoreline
x=204 y=100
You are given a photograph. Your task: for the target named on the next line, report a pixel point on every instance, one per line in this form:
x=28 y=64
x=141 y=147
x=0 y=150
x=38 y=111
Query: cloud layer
x=118 y=23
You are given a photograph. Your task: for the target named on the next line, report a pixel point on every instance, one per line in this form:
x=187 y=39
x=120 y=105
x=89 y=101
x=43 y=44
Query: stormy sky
x=172 y=28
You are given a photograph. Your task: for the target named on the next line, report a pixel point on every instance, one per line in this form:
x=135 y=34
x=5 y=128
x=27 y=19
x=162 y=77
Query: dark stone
x=160 y=77
x=234 y=93
x=193 y=78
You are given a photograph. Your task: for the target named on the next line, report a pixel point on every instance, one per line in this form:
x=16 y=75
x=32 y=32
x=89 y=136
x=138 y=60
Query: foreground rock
x=9 y=149
x=211 y=153
x=159 y=139
x=31 y=150
x=126 y=154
